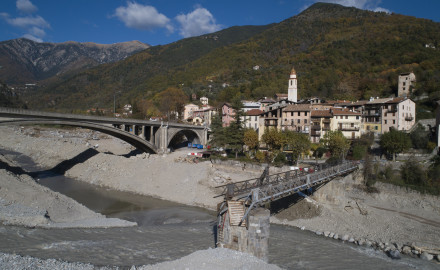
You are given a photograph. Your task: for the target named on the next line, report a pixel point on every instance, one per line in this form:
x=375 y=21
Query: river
x=168 y=231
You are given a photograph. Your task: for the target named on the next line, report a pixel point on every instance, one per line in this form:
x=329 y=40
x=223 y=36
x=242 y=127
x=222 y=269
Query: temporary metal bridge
x=257 y=191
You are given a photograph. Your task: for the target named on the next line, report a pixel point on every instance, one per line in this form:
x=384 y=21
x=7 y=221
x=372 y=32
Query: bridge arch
x=132 y=139
x=190 y=135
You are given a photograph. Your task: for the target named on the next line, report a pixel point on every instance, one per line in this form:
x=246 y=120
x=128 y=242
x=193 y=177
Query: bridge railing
x=288 y=179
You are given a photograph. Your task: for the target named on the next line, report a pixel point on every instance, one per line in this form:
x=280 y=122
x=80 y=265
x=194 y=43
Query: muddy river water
x=168 y=231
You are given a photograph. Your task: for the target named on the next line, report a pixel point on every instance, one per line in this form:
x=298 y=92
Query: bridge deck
x=266 y=188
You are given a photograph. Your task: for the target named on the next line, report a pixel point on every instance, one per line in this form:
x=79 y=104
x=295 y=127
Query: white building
x=292 y=90
x=251 y=105
x=204 y=100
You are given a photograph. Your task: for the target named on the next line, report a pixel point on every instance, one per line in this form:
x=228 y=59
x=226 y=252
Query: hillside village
x=315 y=116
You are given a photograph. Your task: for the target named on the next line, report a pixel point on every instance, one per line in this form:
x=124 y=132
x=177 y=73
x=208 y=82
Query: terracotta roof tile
x=297 y=107
x=254 y=112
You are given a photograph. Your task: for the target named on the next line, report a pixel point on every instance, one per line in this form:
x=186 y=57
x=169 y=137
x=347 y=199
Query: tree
x=235 y=131
x=171 y=102
x=298 y=143
x=413 y=174
x=395 y=142
x=273 y=138
x=336 y=144
x=419 y=137
x=218 y=132
x=251 y=139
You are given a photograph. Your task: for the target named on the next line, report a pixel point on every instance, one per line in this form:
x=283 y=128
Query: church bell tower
x=292 y=90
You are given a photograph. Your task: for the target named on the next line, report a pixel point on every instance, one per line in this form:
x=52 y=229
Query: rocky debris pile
x=393 y=250
x=221 y=178
x=212 y=259
x=188 y=159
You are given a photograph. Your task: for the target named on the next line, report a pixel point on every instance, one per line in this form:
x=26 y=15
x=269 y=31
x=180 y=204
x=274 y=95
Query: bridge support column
x=163 y=138
x=253 y=239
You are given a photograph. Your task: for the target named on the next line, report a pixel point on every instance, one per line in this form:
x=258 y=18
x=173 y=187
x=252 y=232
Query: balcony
x=316 y=127
x=409 y=118
x=348 y=128
x=325 y=128
x=271 y=122
x=372 y=113
x=315 y=132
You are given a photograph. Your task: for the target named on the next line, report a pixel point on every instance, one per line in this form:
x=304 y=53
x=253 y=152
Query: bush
x=413 y=174
x=260 y=156
x=280 y=159
x=359 y=152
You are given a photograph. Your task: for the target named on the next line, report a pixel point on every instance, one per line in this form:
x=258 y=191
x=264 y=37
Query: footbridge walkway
x=242 y=227
x=148 y=136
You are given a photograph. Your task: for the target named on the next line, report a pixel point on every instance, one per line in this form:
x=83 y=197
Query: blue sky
x=163 y=21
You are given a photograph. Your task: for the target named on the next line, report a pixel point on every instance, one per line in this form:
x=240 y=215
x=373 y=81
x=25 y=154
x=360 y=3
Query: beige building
x=296 y=117
x=188 y=111
x=321 y=123
x=347 y=121
x=252 y=119
x=204 y=115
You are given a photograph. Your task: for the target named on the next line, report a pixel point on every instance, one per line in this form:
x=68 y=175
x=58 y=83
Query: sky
x=159 y=22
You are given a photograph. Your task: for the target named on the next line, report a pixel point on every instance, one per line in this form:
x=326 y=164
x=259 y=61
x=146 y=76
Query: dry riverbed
x=393 y=219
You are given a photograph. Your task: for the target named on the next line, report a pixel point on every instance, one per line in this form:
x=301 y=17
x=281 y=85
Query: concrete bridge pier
x=250 y=236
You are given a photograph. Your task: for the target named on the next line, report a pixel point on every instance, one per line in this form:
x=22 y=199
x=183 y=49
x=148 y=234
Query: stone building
x=296 y=117
x=405 y=84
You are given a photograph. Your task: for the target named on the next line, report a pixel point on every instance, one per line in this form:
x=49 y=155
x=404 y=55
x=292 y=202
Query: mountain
x=25 y=61
x=338 y=52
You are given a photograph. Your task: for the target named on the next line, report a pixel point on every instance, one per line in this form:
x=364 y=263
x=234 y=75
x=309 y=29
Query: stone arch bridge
x=148 y=136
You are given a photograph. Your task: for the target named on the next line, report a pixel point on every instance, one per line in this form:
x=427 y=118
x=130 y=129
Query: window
x=305 y=121
x=291 y=122
x=299 y=113
x=394 y=121
x=291 y=113
x=305 y=113
x=357 y=117
x=375 y=127
x=299 y=121
x=256 y=118
x=352 y=124
x=385 y=122
x=346 y=117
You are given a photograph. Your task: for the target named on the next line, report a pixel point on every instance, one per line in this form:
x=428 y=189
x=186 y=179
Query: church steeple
x=292 y=90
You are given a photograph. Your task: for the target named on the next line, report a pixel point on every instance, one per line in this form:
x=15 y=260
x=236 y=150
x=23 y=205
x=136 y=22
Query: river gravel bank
x=393 y=219
x=210 y=259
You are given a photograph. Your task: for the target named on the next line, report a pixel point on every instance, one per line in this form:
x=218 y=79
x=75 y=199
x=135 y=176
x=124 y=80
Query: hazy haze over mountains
x=26 y=61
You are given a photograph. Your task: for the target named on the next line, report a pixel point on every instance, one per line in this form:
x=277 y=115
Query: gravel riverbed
x=393 y=218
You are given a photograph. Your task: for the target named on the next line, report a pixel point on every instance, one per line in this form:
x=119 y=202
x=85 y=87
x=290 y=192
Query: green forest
x=338 y=53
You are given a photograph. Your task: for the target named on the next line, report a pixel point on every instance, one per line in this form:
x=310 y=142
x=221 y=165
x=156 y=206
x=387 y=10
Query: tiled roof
x=297 y=108
x=344 y=112
x=321 y=113
x=396 y=100
x=379 y=100
x=254 y=112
